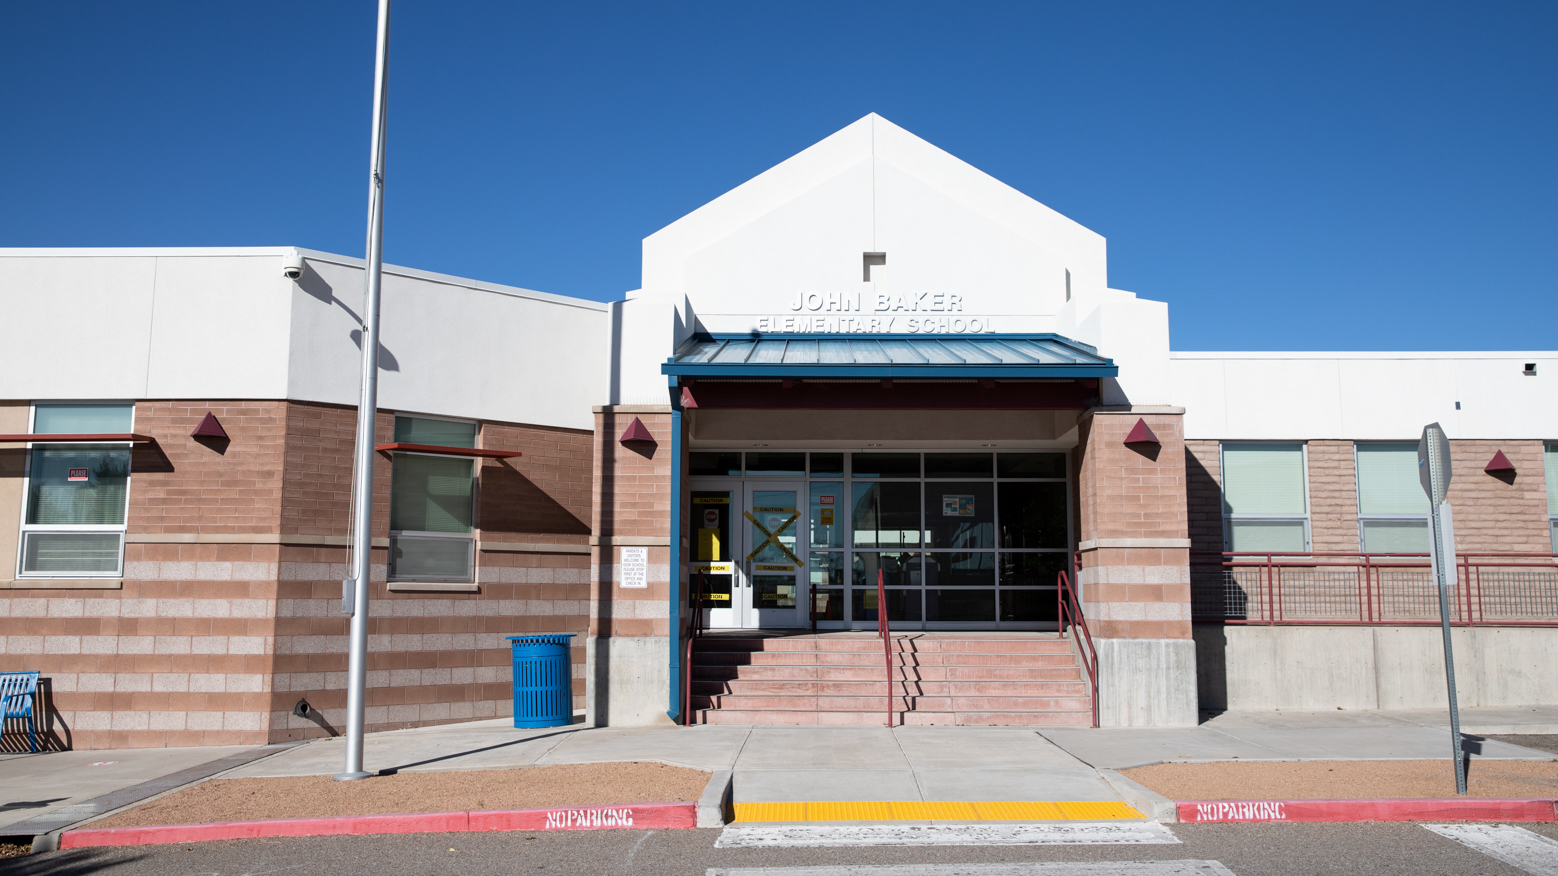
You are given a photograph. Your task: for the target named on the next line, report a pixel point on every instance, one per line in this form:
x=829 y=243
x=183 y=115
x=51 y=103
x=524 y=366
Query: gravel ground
x=13 y=850
x=1346 y=779
x=590 y=784
x=1539 y=741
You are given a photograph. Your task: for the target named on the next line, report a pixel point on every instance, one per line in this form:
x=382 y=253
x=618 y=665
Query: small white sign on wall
x=634 y=565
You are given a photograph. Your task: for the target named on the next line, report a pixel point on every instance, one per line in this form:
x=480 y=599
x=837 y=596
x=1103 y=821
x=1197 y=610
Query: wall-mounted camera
x=292 y=266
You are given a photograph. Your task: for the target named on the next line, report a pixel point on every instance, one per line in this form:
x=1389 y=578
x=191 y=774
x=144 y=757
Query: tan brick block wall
x=1499 y=513
x=185 y=485
x=632 y=501
x=1333 y=497
x=1204 y=496
x=1134 y=492
x=317 y=484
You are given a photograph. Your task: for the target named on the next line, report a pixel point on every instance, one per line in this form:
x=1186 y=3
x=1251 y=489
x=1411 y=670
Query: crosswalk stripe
x=1048 y=868
x=790 y=836
x=1515 y=846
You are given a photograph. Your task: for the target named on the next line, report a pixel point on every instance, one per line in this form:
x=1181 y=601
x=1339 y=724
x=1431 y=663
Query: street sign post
x=1433 y=470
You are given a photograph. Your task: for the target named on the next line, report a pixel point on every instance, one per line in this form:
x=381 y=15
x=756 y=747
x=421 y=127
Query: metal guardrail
x=1504 y=589
x=695 y=629
x=1070 y=613
x=884 y=630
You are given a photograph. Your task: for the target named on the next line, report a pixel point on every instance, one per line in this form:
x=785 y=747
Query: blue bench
x=18 y=691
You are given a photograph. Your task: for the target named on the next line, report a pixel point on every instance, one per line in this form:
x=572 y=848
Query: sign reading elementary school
x=872 y=362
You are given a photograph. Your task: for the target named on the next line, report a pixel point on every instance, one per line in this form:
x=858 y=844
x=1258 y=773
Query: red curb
x=1451 y=809
x=647 y=815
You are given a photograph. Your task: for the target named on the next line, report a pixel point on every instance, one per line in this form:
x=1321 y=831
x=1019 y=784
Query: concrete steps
x=841 y=679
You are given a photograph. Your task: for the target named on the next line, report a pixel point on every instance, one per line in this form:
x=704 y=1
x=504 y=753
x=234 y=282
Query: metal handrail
x=694 y=631
x=1278 y=582
x=1071 y=609
x=884 y=630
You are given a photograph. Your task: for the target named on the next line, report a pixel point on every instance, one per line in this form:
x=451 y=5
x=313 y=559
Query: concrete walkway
x=35 y=785
x=1336 y=735
x=770 y=764
x=811 y=764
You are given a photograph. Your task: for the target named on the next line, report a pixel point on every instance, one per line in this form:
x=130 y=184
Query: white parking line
x=1052 y=868
x=1515 y=846
x=1087 y=833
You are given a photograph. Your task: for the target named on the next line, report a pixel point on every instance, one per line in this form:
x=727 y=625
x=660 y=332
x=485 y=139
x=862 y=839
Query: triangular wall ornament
x=209 y=428
x=637 y=431
x=1498 y=463
x=687 y=400
x=1141 y=434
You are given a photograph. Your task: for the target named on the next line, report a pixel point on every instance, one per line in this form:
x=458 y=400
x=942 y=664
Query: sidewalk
x=791 y=764
x=1336 y=735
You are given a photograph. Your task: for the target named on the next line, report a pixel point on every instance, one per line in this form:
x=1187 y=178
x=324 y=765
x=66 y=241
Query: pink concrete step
x=871 y=644
x=850 y=658
x=744 y=687
x=784 y=672
x=879 y=717
x=865 y=703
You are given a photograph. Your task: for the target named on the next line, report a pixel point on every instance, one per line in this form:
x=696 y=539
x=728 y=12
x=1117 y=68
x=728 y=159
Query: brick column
x=630 y=636
x=1134 y=567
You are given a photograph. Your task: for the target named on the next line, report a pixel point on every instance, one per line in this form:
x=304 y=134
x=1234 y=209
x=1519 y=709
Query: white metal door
x=773 y=558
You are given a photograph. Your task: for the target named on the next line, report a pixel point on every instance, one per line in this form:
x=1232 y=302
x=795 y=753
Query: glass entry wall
x=962 y=540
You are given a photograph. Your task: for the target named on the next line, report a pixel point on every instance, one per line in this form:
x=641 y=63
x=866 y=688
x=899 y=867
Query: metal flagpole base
x=352 y=777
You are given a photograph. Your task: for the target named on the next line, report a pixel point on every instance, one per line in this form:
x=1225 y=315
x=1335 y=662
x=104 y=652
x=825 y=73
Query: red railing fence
x=1503 y=589
x=883 y=629
x=1070 y=614
x=695 y=627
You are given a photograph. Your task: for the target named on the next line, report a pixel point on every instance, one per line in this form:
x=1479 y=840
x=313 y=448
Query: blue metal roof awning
x=887 y=356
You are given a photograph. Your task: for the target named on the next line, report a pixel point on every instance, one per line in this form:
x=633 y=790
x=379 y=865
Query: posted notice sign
x=633 y=566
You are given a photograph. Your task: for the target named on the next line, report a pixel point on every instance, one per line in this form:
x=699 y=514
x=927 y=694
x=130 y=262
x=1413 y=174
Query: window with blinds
x=1550 y=459
x=432 y=503
x=1265 y=498
x=76 y=494
x=1392 y=507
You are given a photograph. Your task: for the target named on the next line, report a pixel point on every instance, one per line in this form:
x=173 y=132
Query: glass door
x=713 y=569
x=772 y=522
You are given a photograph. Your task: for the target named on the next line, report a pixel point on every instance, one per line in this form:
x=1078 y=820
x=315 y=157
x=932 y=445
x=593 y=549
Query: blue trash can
x=543 y=680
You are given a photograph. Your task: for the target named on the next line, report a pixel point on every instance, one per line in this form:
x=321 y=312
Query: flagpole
x=367 y=416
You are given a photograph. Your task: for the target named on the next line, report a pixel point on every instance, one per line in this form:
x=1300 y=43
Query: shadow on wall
x=318 y=288
x=1211 y=667
x=149 y=458
x=511 y=502
x=52 y=732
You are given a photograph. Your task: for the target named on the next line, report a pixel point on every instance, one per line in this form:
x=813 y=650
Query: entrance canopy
x=887 y=357
x=886 y=372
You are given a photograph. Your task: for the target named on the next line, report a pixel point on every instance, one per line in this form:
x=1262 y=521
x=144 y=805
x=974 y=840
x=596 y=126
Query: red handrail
x=1071 y=609
x=694 y=629
x=883 y=630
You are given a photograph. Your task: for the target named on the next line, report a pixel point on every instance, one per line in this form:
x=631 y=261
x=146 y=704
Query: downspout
x=674 y=594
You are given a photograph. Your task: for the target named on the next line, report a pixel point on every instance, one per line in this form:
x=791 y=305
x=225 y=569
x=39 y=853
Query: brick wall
x=181 y=653
x=1133 y=508
x=212 y=643
x=632 y=506
x=1333 y=497
x=1505 y=512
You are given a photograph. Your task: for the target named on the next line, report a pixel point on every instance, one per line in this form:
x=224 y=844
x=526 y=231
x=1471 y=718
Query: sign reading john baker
x=877 y=312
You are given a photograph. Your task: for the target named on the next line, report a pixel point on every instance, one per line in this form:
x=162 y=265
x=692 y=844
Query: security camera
x=292 y=265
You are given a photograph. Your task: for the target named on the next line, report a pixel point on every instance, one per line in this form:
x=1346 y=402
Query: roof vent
x=1530 y=369
x=871 y=258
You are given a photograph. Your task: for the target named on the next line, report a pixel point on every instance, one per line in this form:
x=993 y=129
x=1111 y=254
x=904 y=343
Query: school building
x=871 y=384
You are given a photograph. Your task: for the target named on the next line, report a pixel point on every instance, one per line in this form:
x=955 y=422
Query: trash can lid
x=546 y=639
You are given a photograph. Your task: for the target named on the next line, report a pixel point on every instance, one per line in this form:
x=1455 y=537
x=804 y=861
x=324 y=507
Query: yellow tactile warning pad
x=893 y=810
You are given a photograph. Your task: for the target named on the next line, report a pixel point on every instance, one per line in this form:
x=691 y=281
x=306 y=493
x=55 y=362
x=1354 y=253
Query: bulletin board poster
x=957 y=506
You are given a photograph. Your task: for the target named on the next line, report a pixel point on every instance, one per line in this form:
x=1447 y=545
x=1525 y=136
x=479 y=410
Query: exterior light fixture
x=637 y=431
x=1141 y=433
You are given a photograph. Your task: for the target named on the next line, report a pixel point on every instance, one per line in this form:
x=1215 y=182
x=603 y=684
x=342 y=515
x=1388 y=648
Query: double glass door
x=748 y=555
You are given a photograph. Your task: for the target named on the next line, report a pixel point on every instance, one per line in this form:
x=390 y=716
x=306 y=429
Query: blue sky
x=1286 y=175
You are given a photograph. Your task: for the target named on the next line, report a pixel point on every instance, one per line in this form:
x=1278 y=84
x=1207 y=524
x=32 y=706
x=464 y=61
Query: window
x=1392 y=507
x=432 y=503
x=1265 y=498
x=76 y=494
x=1550 y=457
